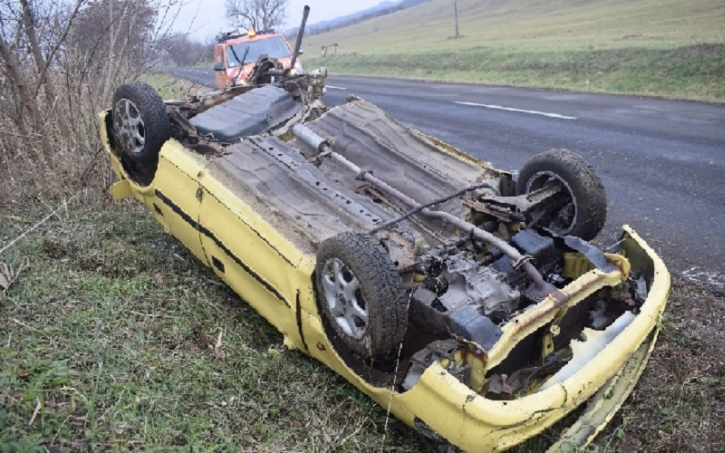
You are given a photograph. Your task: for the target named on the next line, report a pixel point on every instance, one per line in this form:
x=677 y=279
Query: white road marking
x=510 y=109
x=700 y=275
x=336 y=88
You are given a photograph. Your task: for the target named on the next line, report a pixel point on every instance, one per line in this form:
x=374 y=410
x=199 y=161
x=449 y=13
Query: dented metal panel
x=492 y=299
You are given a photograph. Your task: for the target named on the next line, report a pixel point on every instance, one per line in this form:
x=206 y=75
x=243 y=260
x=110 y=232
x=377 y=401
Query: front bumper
x=475 y=423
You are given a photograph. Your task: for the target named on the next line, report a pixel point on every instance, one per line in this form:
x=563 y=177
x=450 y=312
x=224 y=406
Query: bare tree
x=15 y=43
x=59 y=64
x=183 y=50
x=257 y=14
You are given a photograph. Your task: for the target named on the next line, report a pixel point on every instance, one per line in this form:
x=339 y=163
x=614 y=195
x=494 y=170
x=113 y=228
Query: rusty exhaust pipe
x=519 y=261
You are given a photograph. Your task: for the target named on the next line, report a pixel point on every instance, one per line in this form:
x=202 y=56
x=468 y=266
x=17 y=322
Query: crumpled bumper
x=453 y=411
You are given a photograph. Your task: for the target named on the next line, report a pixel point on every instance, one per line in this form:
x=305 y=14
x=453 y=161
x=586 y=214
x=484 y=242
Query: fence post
x=455 y=13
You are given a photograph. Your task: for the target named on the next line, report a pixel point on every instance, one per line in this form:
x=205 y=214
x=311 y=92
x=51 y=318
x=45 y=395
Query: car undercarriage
x=463 y=297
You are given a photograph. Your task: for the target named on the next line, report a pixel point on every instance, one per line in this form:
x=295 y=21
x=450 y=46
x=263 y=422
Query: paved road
x=662 y=162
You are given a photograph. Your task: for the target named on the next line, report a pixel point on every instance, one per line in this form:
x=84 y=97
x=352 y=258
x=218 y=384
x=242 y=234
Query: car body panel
x=266 y=255
x=608 y=400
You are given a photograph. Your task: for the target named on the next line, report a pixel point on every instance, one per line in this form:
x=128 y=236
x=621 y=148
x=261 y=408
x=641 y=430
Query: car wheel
x=361 y=294
x=581 y=208
x=140 y=127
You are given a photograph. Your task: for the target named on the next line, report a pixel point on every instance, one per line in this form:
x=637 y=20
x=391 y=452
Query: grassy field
x=168 y=87
x=666 y=48
x=113 y=337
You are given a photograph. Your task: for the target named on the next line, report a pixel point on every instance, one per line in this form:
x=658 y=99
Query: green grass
x=167 y=86
x=123 y=341
x=667 y=48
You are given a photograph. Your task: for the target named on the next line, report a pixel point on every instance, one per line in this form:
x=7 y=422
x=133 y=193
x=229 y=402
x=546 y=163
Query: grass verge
x=688 y=72
x=654 y=47
x=167 y=86
x=114 y=337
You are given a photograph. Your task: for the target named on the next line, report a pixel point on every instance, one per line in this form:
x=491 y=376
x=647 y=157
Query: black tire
x=585 y=199
x=140 y=127
x=352 y=257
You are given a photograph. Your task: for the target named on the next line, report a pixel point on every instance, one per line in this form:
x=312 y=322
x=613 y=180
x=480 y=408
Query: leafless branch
x=257 y=14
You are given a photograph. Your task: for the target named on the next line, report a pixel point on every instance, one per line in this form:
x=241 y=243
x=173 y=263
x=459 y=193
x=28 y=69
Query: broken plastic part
x=584 y=351
x=593 y=254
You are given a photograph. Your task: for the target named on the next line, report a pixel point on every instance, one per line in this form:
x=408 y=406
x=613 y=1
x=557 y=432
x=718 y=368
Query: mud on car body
x=465 y=298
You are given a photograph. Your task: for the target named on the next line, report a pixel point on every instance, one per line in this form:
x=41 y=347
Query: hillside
x=381 y=9
x=665 y=47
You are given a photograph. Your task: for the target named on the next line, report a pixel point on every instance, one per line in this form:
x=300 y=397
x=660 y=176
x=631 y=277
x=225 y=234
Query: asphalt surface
x=662 y=161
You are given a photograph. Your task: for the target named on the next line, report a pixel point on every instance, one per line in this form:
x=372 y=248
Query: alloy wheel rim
x=344 y=299
x=130 y=126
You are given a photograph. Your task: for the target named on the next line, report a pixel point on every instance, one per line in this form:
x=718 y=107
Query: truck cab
x=236 y=54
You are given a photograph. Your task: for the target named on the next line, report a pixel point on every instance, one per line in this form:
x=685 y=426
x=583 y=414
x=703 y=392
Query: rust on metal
x=474 y=359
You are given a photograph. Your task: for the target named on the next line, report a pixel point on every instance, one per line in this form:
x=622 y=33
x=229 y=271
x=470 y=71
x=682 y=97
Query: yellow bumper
x=474 y=423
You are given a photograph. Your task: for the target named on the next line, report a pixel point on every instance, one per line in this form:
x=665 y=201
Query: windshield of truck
x=272 y=47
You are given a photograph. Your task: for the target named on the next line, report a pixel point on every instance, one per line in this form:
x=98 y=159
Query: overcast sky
x=206 y=18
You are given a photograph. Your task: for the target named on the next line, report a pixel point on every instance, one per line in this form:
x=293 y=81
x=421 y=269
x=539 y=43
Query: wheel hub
x=129 y=126
x=341 y=290
x=565 y=220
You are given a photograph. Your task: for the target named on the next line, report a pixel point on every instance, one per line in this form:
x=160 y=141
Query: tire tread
x=381 y=286
x=156 y=120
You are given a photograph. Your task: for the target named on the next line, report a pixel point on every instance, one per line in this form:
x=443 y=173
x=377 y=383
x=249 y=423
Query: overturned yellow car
x=466 y=299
